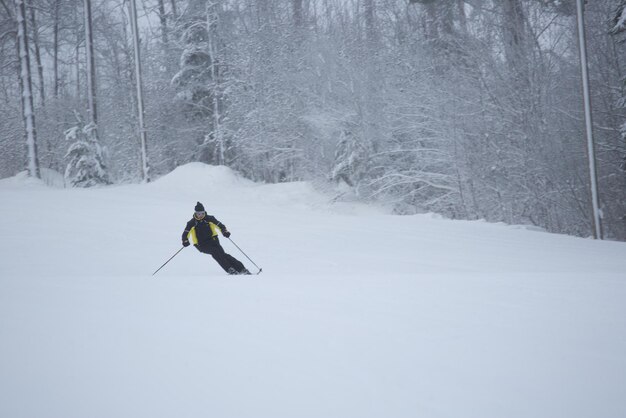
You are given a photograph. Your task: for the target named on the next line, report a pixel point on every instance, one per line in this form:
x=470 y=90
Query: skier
x=203 y=230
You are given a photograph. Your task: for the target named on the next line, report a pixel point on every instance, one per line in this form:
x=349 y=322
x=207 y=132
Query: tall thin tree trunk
x=370 y=23
x=163 y=20
x=91 y=67
x=55 y=46
x=432 y=28
x=174 y=12
x=77 y=53
x=170 y=64
x=35 y=32
x=518 y=55
x=462 y=16
x=213 y=30
x=26 y=89
x=145 y=167
x=515 y=37
x=297 y=13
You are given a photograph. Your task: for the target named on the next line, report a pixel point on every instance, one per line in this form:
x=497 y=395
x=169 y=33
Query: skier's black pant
x=226 y=261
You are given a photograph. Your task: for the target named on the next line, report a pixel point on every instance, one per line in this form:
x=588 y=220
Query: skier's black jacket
x=204 y=230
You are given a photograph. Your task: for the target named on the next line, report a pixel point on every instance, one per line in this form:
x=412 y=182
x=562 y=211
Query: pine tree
x=86 y=166
x=193 y=81
x=194 y=77
x=350 y=160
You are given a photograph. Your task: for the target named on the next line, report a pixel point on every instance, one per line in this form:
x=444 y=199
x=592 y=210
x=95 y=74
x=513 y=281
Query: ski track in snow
x=357 y=313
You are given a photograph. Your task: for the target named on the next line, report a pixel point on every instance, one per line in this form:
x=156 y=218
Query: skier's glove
x=185 y=243
x=226 y=233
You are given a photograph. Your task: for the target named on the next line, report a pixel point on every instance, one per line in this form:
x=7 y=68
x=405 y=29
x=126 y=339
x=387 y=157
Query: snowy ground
x=356 y=314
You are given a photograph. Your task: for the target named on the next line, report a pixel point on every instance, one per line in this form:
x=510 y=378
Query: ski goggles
x=200 y=214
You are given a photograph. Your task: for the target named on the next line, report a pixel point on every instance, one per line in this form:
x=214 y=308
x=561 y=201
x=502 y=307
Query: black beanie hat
x=199 y=207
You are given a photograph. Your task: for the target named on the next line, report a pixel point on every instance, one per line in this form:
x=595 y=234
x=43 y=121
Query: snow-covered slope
x=357 y=313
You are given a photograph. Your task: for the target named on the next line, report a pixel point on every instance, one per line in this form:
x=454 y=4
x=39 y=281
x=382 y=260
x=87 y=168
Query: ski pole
x=168 y=261
x=260 y=269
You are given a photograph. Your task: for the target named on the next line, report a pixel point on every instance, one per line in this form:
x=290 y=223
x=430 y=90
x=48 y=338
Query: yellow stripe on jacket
x=194 y=237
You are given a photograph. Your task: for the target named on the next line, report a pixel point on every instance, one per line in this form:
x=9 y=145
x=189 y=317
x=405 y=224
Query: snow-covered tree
x=193 y=80
x=85 y=167
x=350 y=160
x=194 y=76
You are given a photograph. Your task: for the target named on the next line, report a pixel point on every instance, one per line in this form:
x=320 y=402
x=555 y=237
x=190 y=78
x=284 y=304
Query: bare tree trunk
x=35 y=32
x=174 y=12
x=462 y=16
x=145 y=167
x=77 y=53
x=370 y=27
x=432 y=29
x=213 y=30
x=440 y=21
x=10 y=32
x=591 y=153
x=166 y=47
x=26 y=89
x=515 y=37
x=91 y=67
x=298 y=19
x=163 y=20
x=55 y=46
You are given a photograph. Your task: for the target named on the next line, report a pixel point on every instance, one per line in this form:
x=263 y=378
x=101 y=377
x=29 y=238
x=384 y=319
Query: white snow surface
x=358 y=313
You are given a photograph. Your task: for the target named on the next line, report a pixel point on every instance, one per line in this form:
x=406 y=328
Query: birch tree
x=26 y=89
x=36 y=47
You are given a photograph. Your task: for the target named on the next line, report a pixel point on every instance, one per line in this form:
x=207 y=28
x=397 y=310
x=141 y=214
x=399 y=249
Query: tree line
x=468 y=108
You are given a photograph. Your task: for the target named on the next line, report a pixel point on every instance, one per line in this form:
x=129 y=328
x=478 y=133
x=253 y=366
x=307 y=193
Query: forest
x=472 y=109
